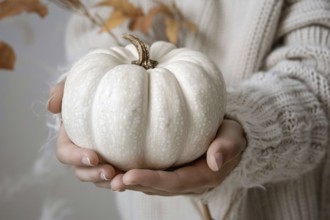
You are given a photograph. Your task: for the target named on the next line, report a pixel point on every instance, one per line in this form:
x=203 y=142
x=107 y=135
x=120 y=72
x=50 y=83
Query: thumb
x=227 y=145
x=219 y=153
x=55 y=98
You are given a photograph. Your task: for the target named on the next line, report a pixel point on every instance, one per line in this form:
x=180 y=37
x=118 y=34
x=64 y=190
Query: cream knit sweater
x=275 y=56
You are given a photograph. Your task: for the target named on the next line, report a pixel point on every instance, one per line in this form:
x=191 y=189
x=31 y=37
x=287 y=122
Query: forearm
x=285 y=109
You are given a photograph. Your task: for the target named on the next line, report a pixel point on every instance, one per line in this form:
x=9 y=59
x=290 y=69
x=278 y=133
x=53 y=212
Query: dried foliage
x=122 y=11
x=7 y=56
x=10 y=8
x=175 y=21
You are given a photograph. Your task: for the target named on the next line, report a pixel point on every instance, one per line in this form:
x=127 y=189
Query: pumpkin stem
x=143 y=50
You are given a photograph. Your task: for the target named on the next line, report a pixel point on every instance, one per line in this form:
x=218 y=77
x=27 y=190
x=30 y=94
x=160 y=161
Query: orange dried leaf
x=174 y=20
x=7 y=56
x=139 y=24
x=167 y=10
x=122 y=5
x=172 y=30
x=110 y=3
x=14 y=7
x=122 y=10
x=189 y=25
x=143 y=23
x=116 y=19
x=128 y=8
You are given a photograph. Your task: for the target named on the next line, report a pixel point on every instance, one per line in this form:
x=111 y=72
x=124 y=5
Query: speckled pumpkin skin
x=138 y=118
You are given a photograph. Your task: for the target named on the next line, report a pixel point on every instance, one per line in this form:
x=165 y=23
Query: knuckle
x=232 y=147
x=229 y=144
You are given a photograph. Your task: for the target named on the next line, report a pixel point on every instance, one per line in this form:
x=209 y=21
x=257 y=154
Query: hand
x=88 y=166
x=222 y=156
x=197 y=177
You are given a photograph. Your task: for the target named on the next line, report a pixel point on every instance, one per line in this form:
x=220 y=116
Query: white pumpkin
x=144 y=116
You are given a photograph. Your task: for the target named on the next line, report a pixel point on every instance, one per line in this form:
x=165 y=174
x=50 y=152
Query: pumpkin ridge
x=107 y=109
x=193 y=151
x=188 y=118
x=79 y=71
x=91 y=122
x=147 y=122
x=206 y=73
x=176 y=147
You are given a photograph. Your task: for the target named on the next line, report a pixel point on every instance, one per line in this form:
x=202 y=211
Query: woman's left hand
x=197 y=177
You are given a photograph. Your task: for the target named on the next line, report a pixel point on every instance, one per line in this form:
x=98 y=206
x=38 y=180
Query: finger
x=180 y=181
x=230 y=142
x=193 y=179
x=153 y=191
x=149 y=191
x=103 y=172
x=103 y=184
x=228 y=167
x=161 y=180
x=55 y=99
x=220 y=152
x=70 y=154
x=117 y=183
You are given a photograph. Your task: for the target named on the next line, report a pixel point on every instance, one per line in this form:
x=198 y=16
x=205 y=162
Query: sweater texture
x=275 y=57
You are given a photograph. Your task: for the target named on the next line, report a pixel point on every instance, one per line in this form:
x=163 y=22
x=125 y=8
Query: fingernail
x=103 y=176
x=218 y=159
x=85 y=160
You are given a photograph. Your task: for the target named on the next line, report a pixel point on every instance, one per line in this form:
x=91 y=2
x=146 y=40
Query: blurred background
x=33 y=185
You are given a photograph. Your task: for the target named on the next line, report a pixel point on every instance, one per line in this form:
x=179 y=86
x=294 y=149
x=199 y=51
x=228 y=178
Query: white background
x=46 y=190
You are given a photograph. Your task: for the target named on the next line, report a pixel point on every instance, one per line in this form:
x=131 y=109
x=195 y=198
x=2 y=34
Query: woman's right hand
x=88 y=166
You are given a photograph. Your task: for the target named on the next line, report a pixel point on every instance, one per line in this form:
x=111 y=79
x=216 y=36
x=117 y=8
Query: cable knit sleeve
x=285 y=108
